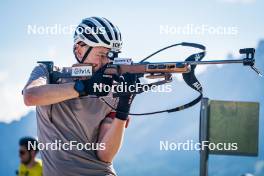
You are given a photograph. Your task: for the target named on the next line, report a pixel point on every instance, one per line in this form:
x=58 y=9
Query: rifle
x=120 y=66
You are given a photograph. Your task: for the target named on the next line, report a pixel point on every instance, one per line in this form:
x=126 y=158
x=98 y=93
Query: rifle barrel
x=215 y=62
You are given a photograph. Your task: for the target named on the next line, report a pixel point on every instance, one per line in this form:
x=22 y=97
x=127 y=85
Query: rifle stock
x=152 y=70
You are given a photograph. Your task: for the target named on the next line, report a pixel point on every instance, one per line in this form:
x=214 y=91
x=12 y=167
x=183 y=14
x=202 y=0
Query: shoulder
x=40 y=72
x=22 y=170
x=41 y=69
x=22 y=167
x=38 y=167
x=39 y=162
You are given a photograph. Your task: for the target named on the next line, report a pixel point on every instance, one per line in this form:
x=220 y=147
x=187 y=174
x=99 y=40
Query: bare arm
x=40 y=93
x=111 y=133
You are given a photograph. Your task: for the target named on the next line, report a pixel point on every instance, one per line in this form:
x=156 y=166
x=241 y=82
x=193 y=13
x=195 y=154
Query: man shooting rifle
x=71 y=112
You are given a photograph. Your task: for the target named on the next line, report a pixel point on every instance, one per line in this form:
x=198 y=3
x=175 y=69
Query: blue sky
x=139 y=21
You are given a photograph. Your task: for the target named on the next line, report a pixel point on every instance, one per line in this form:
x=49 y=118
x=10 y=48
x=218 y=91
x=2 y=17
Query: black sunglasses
x=81 y=44
x=22 y=152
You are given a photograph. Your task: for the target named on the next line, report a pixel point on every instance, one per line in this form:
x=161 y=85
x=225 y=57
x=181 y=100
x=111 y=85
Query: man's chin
x=96 y=66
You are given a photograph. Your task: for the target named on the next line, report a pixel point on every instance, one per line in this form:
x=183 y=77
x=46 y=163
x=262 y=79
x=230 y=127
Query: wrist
x=119 y=123
x=123 y=108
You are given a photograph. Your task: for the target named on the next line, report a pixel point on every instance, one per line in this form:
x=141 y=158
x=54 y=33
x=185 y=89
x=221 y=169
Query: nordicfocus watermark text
x=70 y=145
x=190 y=145
x=60 y=29
x=138 y=87
x=191 y=29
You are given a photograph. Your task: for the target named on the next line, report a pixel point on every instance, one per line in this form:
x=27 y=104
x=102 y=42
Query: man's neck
x=31 y=164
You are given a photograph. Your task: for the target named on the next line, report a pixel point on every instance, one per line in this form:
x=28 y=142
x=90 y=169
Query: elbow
x=104 y=156
x=30 y=97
